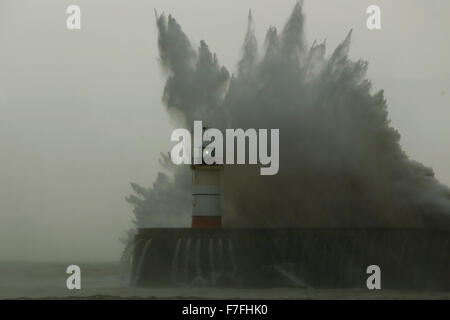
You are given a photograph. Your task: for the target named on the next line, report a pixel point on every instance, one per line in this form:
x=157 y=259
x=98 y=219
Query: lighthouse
x=206 y=188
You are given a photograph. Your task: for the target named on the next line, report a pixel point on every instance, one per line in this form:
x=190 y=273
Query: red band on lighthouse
x=204 y=222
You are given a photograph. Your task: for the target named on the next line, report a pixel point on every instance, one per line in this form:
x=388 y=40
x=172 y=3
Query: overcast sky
x=81 y=113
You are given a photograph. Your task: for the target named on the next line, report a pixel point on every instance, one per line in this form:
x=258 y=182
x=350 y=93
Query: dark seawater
x=41 y=280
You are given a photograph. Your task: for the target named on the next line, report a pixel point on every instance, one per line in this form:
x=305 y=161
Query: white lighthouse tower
x=206 y=189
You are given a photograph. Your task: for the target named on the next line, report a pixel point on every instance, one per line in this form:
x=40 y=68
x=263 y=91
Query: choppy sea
x=42 y=280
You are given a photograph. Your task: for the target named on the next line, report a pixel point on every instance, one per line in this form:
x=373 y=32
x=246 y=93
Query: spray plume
x=341 y=164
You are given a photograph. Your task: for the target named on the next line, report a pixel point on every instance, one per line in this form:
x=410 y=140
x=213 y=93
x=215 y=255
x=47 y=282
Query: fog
x=81 y=114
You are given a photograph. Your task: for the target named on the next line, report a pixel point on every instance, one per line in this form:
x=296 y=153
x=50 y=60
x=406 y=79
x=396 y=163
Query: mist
x=82 y=114
x=341 y=160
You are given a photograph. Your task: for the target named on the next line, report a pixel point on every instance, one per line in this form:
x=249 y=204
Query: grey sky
x=81 y=113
